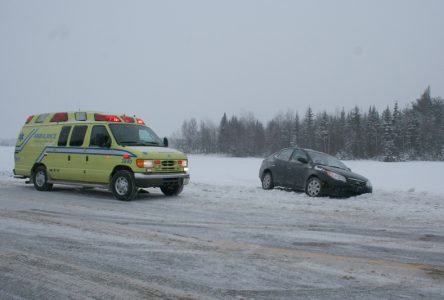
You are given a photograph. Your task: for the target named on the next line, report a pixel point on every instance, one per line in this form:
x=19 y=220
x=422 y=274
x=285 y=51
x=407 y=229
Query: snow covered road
x=224 y=237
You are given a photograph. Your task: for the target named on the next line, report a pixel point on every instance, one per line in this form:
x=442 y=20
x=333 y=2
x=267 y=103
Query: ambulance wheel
x=123 y=185
x=40 y=179
x=172 y=189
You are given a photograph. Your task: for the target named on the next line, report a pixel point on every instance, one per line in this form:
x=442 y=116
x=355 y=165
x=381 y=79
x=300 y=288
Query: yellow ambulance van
x=93 y=149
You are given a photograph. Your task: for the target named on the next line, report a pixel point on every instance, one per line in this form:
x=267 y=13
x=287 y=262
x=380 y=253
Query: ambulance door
x=99 y=162
x=57 y=159
x=75 y=154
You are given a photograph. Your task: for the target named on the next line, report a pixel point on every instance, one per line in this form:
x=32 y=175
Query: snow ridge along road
x=225 y=238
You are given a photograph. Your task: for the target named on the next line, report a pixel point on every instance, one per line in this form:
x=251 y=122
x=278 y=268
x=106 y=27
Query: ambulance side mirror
x=165 y=142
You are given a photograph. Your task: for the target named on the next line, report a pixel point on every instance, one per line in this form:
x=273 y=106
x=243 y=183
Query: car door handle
x=87 y=158
x=69 y=157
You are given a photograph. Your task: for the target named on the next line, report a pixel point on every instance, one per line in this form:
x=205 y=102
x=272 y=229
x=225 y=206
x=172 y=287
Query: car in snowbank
x=314 y=172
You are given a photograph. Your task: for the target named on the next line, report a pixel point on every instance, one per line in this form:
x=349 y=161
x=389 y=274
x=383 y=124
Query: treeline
x=415 y=132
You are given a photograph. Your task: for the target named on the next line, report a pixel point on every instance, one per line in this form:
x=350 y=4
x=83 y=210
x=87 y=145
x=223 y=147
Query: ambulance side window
x=78 y=135
x=63 y=137
x=100 y=137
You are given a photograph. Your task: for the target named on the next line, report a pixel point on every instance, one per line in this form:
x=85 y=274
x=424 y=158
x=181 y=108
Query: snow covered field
x=225 y=237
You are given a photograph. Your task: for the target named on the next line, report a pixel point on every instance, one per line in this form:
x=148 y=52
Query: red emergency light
x=106 y=118
x=127 y=119
x=59 y=117
x=29 y=119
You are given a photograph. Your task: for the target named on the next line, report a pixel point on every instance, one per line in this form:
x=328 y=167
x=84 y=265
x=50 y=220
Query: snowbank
x=417 y=176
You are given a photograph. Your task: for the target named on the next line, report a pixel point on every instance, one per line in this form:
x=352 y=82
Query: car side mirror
x=165 y=142
x=302 y=160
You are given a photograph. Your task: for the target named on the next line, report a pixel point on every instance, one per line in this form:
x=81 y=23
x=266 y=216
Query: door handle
x=69 y=157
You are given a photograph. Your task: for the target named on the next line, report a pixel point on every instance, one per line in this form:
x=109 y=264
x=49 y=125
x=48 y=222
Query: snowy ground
x=224 y=237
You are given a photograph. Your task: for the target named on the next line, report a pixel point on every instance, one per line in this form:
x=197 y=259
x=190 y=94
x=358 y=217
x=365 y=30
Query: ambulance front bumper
x=155 y=180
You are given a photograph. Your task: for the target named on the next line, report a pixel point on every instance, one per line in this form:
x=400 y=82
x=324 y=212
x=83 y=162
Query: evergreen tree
x=389 y=144
x=308 y=129
x=223 y=136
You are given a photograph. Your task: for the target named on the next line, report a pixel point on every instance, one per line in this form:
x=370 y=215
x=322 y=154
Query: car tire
x=313 y=187
x=267 y=181
x=123 y=185
x=40 y=179
x=171 y=189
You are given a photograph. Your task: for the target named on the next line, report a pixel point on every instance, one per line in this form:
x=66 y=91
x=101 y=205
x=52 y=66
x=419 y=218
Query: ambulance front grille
x=168 y=165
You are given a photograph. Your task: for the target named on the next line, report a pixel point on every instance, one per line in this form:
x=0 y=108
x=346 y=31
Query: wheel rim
x=313 y=188
x=40 y=178
x=121 y=186
x=267 y=180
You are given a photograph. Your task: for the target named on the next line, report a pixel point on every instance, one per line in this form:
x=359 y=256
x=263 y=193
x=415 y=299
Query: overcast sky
x=167 y=61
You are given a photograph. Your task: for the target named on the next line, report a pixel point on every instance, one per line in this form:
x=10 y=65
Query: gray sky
x=167 y=61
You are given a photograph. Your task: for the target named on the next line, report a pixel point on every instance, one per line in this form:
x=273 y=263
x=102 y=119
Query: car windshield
x=134 y=135
x=326 y=160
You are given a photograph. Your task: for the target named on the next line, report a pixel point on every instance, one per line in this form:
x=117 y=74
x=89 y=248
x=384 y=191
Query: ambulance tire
x=123 y=185
x=40 y=179
x=171 y=189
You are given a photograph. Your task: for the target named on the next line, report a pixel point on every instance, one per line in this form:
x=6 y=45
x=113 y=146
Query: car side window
x=298 y=154
x=100 y=137
x=284 y=154
x=78 y=135
x=63 y=137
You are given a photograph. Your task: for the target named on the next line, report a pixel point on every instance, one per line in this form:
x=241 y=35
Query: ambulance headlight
x=144 y=163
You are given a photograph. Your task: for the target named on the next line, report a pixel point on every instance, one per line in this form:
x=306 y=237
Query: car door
x=98 y=163
x=297 y=170
x=281 y=165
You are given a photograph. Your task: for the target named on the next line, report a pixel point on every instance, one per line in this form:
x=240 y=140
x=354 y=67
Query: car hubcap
x=121 y=186
x=313 y=188
x=266 y=182
x=40 y=178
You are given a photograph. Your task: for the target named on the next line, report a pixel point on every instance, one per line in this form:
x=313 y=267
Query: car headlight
x=336 y=176
x=144 y=163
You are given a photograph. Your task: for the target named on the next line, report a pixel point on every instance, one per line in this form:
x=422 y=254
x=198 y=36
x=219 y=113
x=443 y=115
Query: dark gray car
x=311 y=171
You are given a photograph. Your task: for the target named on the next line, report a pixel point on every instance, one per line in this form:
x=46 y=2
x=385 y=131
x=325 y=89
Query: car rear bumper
x=155 y=180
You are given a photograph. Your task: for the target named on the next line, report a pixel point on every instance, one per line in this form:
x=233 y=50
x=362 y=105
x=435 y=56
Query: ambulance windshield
x=134 y=135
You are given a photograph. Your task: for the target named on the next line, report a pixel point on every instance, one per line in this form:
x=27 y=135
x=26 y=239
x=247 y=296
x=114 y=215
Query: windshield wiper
x=150 y=143
x=128 y=142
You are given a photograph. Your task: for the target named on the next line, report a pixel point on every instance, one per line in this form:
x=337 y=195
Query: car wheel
x=314 y=187
x=40 y=179
x=267 y=181
x=171 y=189
x=123 y=185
